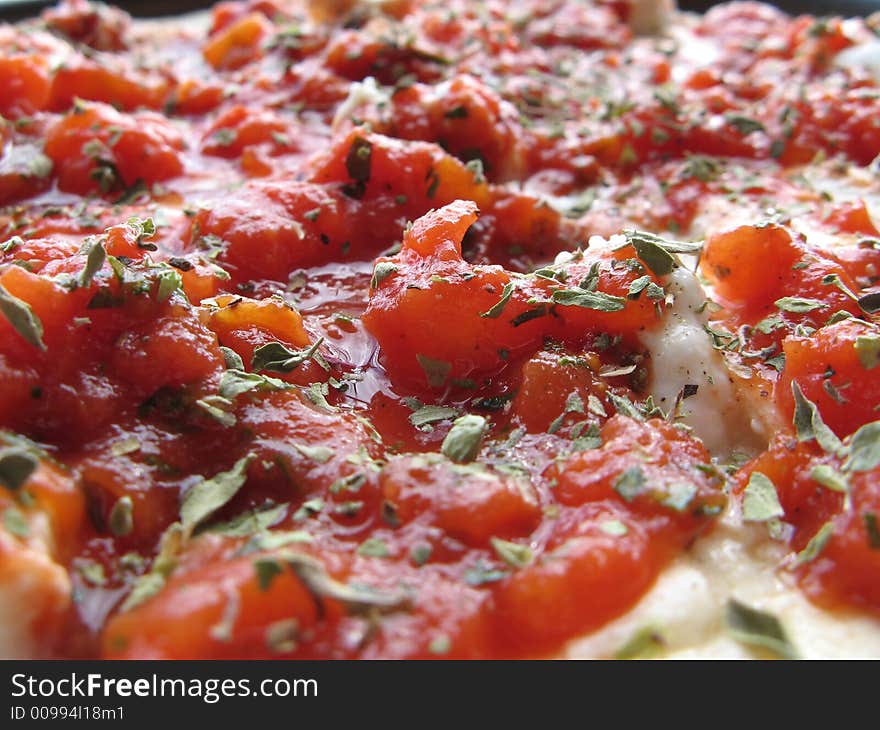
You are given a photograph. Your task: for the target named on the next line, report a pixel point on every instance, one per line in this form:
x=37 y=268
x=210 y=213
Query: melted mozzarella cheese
x=686 y=606
x=861 y=57
x=681 y=353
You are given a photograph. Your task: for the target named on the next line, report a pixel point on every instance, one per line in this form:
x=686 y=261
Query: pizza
x=403 y=329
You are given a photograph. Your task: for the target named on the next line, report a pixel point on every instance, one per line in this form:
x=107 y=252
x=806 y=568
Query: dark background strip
x=18 y=9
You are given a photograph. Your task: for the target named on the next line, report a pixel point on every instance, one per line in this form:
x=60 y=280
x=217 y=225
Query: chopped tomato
x=835 y=544
x=836 y=370
x=97 y=149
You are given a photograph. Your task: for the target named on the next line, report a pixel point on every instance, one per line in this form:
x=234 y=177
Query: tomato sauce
x=306 y=352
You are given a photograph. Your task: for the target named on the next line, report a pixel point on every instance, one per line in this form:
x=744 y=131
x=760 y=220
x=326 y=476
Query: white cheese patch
x=861 y=57
x=680 y=607
x=686 y=606
x=361 y=93
x=743 y=562
x=681 y=353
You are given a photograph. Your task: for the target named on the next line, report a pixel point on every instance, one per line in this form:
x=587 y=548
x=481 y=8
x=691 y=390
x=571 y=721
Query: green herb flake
x=118 y=268
x=440 y=645
x=421 y=553
x=770 y=324
x=869 y=519
x=809 y=424
x=234 y=383
x=757 y=628
x=209 y=495
x=868 y=350
x=573 y=404
x=16 y=467
x=864 y=448
x=358 y=160
x=317 y=394
x=760 y=500
x=475 y=167
x=679 y=495
x=630 y=484
x=836 y=281
x=596 y=300
x=350 y=483
x=39 y=166
x=463 y=441
x=645 y=643
x=121 y=520
x=149 y=584
x=830 y=478
x=799 y=305
x=318 y=454
x=357 y=599
x=498 y=308
x=658 y=253
x=95 y=258
x=666 y=97
x=628 y=155
x=744 y=125
x=526 y=316
x=92 y=572
x=833 y=392
x=269 y=541
x=309 y=508
x=277 y=358
x=625 y=407
x=251 y=522
x=224 y=137
x=614 y=528
x=512 y=553
x=638 y=286
x=427 y=415
x=170 y=281
x=22 y=318
x=436 y=371
x=131 y=194
x=15 y=522
x=594 y=405
x=480 y=574
x=652 y=252
x=125 y=446
x=777 y=363
x=12 y=244
x=374 y=548
x=266 y=570
x=457 y=112
x=142 y=227
x=382 y=271
x=816 y=545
